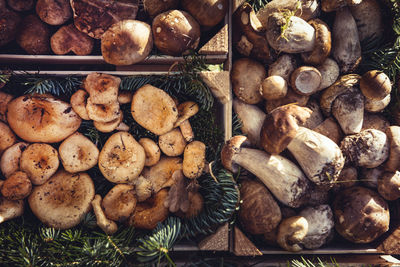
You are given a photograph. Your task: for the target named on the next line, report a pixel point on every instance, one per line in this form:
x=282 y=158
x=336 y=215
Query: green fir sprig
x=257 y=4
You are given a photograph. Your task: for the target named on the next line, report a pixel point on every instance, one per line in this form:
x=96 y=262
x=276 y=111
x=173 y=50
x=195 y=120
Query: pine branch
x=303 y=262
x=257 y=4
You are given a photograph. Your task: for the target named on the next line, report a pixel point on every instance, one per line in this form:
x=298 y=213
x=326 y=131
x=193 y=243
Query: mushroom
x=323 y=42
x=119 y=203
x=160 y=175
x=64 y=200
x=124 y=96
x=108 y=226
x=316 y=117
x=42 y=118
x=103 y=112
x=194 y=159
x=333 y=5
x=348 y=177
x=69 y=39
x=122 y=158
x=273 y=87
x=329 y=70
x=259 y=213
x=369 y=148
x=247 y=76
x=20 y=5
x=78 y=103
x=175 y=32
x=122 y=127
x=393 y=163
x=143 y=188
x=172 y=143
x=154 y=109
x=8 y=25
x=39 y=161
x=94 y=17
x=361 y=215
x=186 y=110
x=320 y=226
x=187 y=131
x=330 y=128
x=17 y=186
x=291 y=191
x=107 y=127
x=102 y=88
x=151 y=150
x=195 y=205
x=9 y=162
x=374 y=106
x=207 y=12
x=291 y=98
x=4 y=100
x=149 y=213
x=371 y=176
x=7 y=137
x=375 y=121
x=155 y=7
x=34 y=36
x=291 y=233
x=375 y=85
x=388 y=185
x=348 y=109
x=54 y=12
x=178 y=195
x=127 y=42
x=283 y=66
x=10 y=209
x=306 y=80
x=78 y=153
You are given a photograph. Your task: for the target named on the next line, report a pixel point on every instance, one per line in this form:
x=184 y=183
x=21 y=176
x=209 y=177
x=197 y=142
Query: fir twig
x=257 y=4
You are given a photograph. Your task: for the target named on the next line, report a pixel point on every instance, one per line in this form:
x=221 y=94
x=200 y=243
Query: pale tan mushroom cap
x=102 y=112
x=63 y=200
x=7 y=137
x=194 y=159
x=42 y=118
x=154 y=109
x=143 y=189
x=151 y=150
x=17 y=186
x=40 y=162
x=120 y=202
x=172 y=143
x=78 y=103
x=102 y=88
x=78 y=153
x=107 y=127
x=10 y=209
x=122 y=158
x=9 y=162
x=125 y=97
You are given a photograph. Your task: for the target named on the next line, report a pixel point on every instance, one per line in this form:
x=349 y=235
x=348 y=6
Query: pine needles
x=257 y=4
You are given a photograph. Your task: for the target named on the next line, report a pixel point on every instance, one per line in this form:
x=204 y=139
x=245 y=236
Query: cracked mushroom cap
x=7 y=137
x=40 y=162
x=102 y=88
x=42 y=118
x=10 y=160
x=63 y=200
x=154 y=109
x=119 y=203
x=78 y=153
x=122 y=158
x=280 y=127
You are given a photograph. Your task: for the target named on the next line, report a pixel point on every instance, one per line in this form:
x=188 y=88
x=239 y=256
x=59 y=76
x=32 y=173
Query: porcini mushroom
x=194 y=159
x=348 y=109
x=102 y=88
x=54 y=12
x=273 y=87
x=9 y=162
x=69 y=39
x=39 y=161
x=329 y=70
x=64 y=200
x=7 y=137
x=291 y=233
x=78 y=103
x=122 y=158
x=374 y=106
x=172 y=143
x=119 y=203
x=393 y=134
x=291 y=98
x=270 y=169
x=108 y=226
x=8 y=25
x=10 y=209
x=375 y=85
x=34 y=36
x=207 y=12
x=155 y=7
x=389 y=185
x=17 y=186
x=305 y=80
x=151 y=150
x=283 y=66
x=330 y=128
x=78 y=153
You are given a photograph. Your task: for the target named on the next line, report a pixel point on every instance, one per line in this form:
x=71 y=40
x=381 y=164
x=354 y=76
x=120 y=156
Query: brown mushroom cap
x=42 y=118
x=7 y=137
x=194 y=159
x=154 y=109
x=172 y=143
x=373 y=106
x=127 y=42
x=17 y=186
x=8 y=25
x=63 y=200
x=20 y=5
x=207 y=12
x=393 y=134
x=122 y=158
x=40 y=162
x=388 y=185
x=361 y=215
x=102 y=112
x=10 y=209
x=107 y=127
x=151 y=150
x=54 y=12
x=102 y=88
x=291 y=97
x=69 y=39
x=375 y=84
x=4 y=100
x=78 y=153
x=149 y=213
x=229 y=149
x=155 y=7
x=273 y=87
x=34 y=36
x=323 y=43
x=78 y=102
x=280 y=127
x=119 y=203
x=9 y=162
x=175 y=32
x=186 y=110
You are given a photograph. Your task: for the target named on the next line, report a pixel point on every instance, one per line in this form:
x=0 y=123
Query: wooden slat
x=219 y=241
x=218 y=44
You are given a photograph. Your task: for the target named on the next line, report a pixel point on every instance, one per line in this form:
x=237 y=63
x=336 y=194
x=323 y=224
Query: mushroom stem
x=108 y=226
x=320 y=158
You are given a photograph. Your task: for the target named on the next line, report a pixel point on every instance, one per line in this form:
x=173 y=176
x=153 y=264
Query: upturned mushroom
x=10 y=209
x=7 y=137
x=119 y=203
x=69 y=39
x=194 y=159
x=306 y=80
x=389 y=185
x=281 y=176
x=78 y=103
x=10 y=160
x=172 y=143
x=152 y=151
x=64 y=200
x=17 y=186
x=291 y=233
x=108 y=226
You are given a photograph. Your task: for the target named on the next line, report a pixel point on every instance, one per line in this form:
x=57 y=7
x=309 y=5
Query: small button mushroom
x=306 y=80
x=119 y=203
x=149 y=213
x=348 y=109
x=78 y=153
x=64 y=200
x=374 y=106
x=273 y=87
x=8 y=25
x=369 y=148
x=370 y=176
x=207 y=12
x=151 y=150
x=375 y=121
x=103 y=112
x=102 y=88
x=17 y=186
x=108 y=127
x=69 y=39
x=388 y=185
x=154 y=109
x=78 y=102
x=393 y=134
x=39 y=161
x=247 y=76
x=323 y=42
x=4 y=100
x=259 y=213
x=175 y=32
x=375 y=85
x=143 y=188
x=283 y=66
x=10 y=209
x=186 y=110
x=194 y=158
x=122 y=158
x=329 y=70
x=108 y=226
x=172 y=143
x=291 y=233
x=155 y=7
x=10 y=160
x=7 y=137
x=361 y=215
x=54 y=12
x=124 y=97
x=330 y=128
x=34 y=36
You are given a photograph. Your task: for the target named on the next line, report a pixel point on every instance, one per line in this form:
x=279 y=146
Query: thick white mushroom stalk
x=320 y=158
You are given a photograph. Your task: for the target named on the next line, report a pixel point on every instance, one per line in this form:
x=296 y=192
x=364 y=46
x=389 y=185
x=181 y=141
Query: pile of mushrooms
x=174 y=26
x=45 y=159
x=323 y=156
